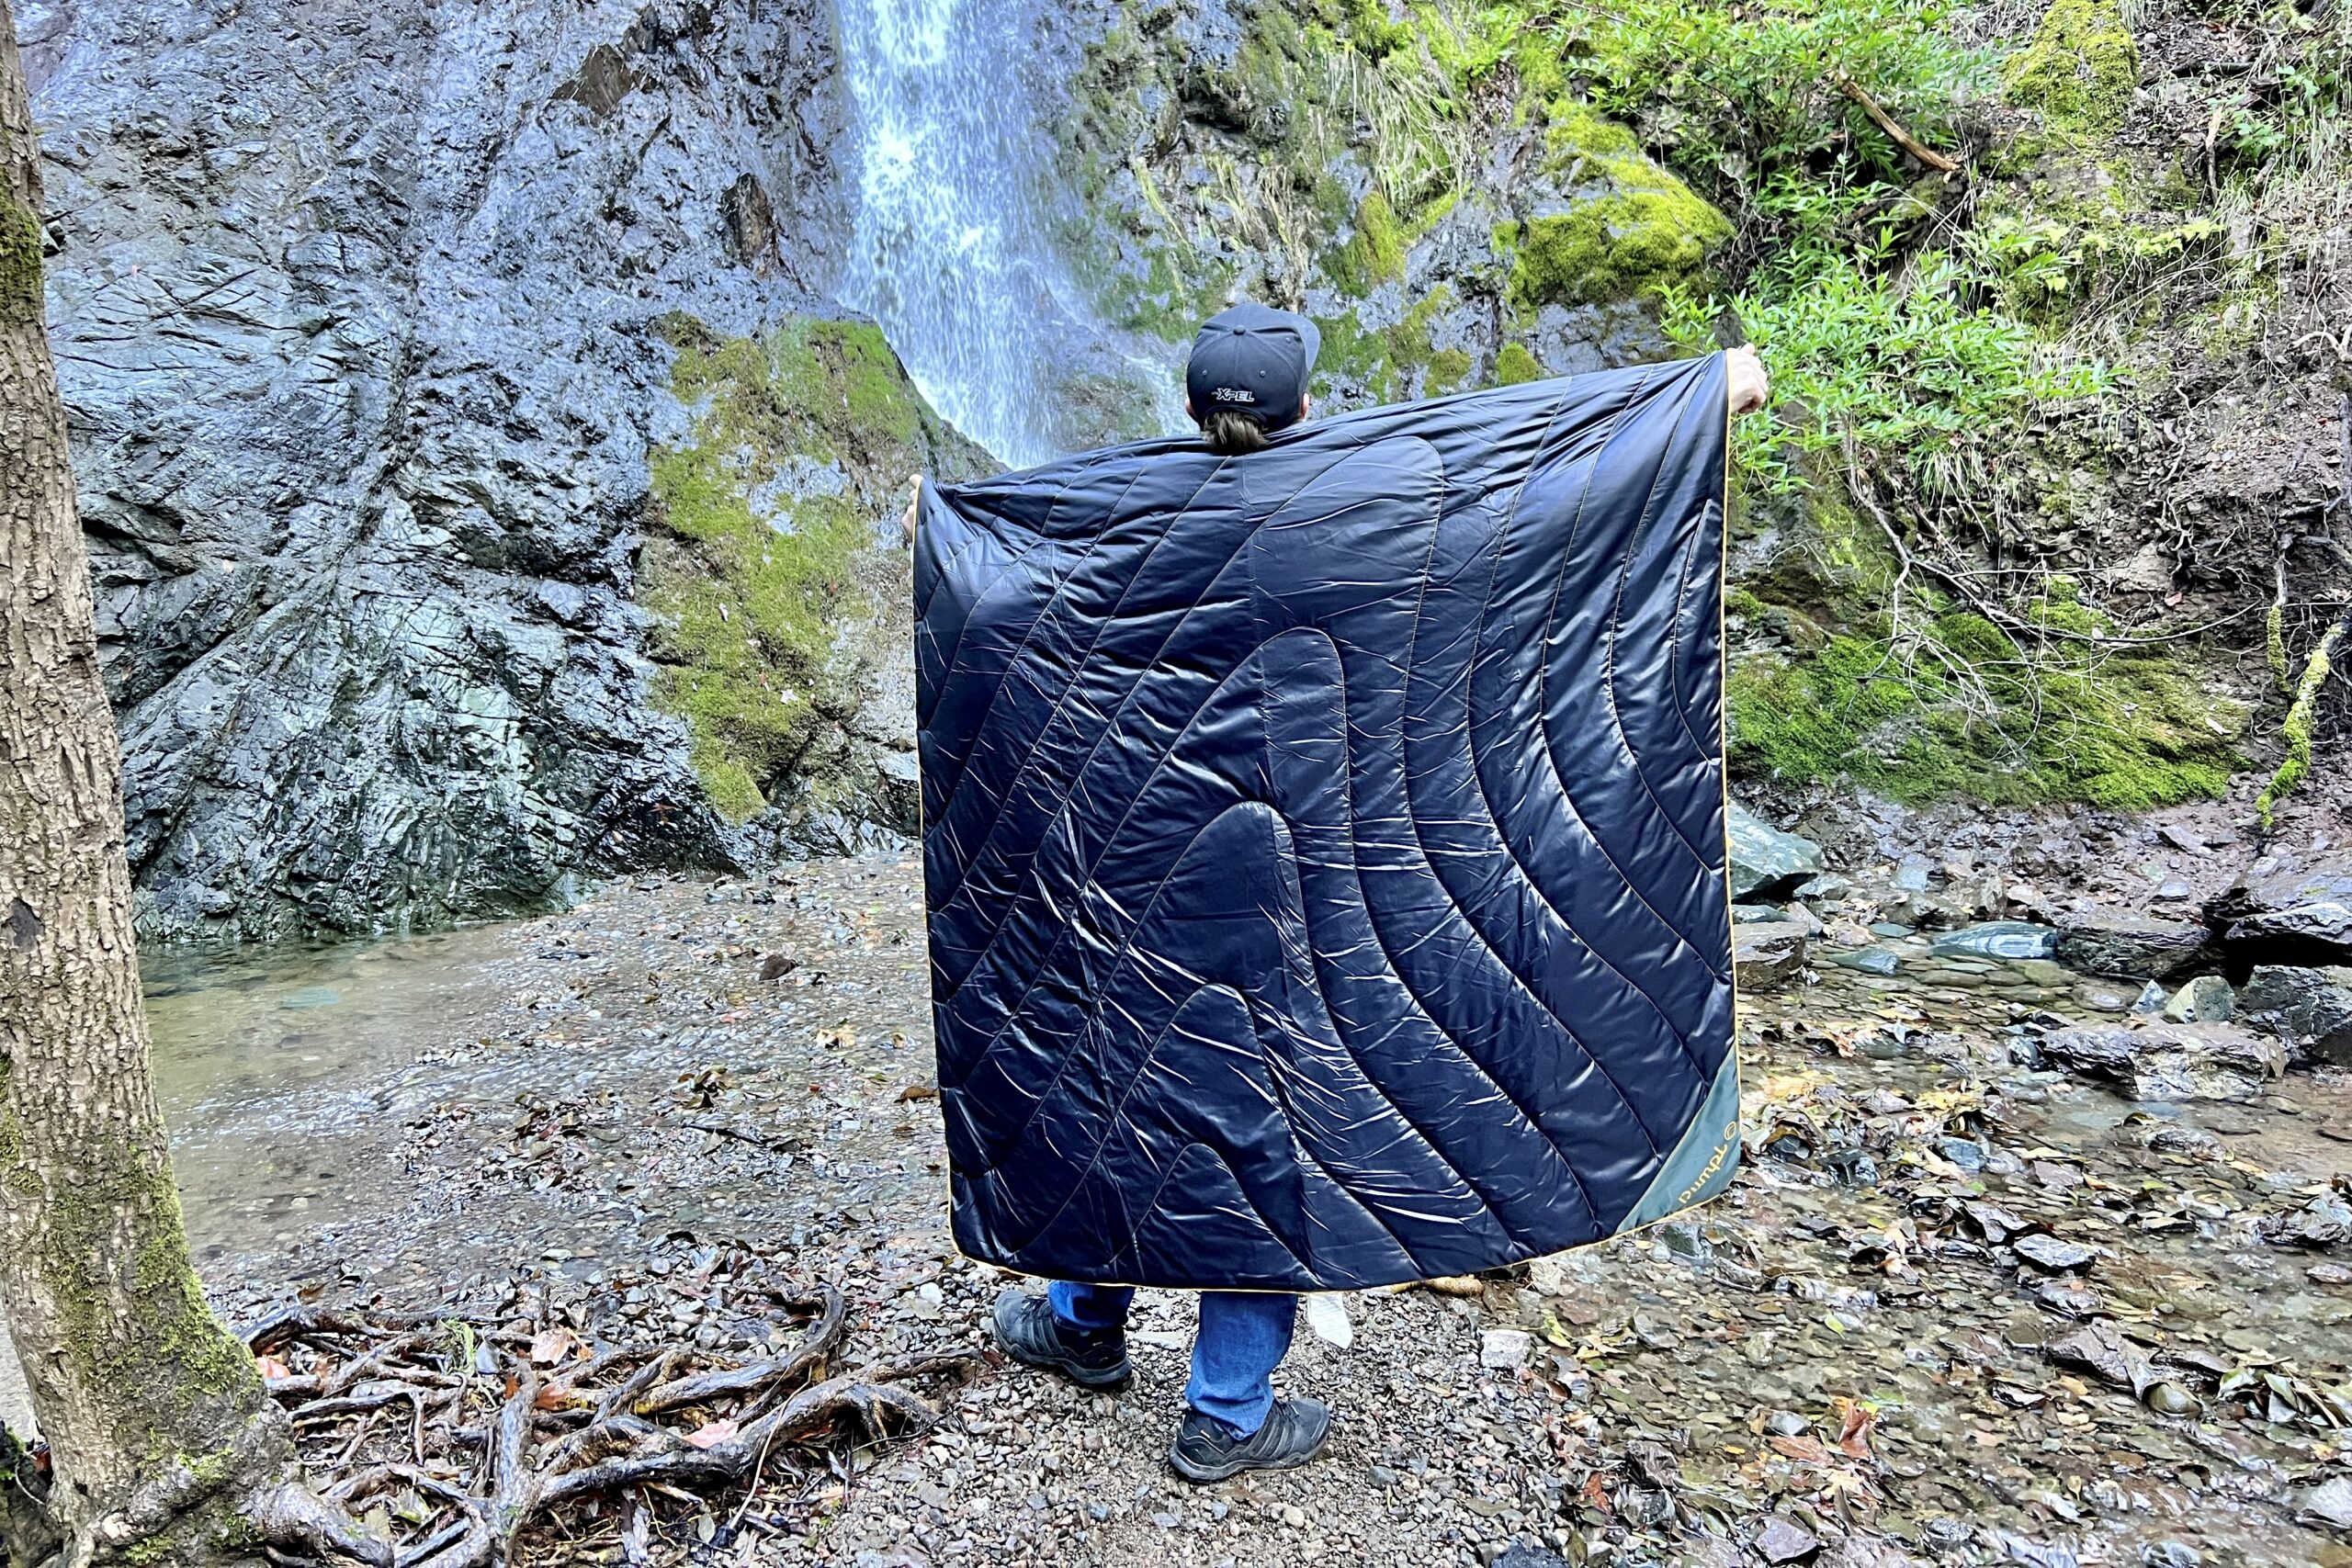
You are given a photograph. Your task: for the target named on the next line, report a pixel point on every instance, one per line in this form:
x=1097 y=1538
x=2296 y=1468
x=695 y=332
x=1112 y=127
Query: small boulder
x=2169 y=1060
x=2328 y=1504
x=2306 y=906
x=1505 y=1349
x=1997 y=939
x=2129 y=946
x=1764 y=956
x=1927 y=912
x=2309 y=1009
x=1765 y=861
x=2097 y=996
x=2206 y=999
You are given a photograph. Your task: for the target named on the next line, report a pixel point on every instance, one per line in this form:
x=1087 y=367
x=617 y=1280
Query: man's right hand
x=914 y=501
x=1749 y=385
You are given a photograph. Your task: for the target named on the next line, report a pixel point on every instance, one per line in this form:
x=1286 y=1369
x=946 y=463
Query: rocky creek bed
x=1960 y=1306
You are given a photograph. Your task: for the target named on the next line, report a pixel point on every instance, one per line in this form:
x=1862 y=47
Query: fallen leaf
x=1857 y=1422
x=1805 y=1448
x=271 y=1367
x=551 y=1344
x=918 y=1091
x=711 y=1434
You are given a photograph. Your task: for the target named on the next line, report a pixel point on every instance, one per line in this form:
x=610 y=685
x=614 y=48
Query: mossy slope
x=2079 y=69
x=772 y=570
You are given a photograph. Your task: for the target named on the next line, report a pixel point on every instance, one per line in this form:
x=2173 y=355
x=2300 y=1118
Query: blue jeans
x=1243 y=1337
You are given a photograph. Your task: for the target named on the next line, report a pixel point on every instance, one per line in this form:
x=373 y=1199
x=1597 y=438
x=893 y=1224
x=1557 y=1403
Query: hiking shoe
x=1208 y=1449
x=1027 y=1328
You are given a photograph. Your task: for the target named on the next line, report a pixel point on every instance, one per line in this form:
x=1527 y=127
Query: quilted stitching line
x=1125 y=950
x=1568 y=797
x=1525 y=986
x=1420 y=1004
x=1616 y=622
x=1084 y=553
x=1674 y=644
x=1388 y=957
x=1542 y=677
x=1111 y=722
x=1118 y=1118
x=1061 y=702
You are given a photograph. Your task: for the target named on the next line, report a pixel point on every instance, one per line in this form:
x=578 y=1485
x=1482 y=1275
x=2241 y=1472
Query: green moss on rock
x=1375 y=254
x=2130 y=732
x=1647 y=228
x=2079 y=69
x=1396 y=362
x=1515 y=364
x=759 y=571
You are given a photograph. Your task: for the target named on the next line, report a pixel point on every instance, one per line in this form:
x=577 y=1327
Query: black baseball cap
x=1255 y=360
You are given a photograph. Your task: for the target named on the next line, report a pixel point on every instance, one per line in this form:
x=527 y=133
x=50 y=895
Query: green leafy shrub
x=1748 y=104
x=1902 y=368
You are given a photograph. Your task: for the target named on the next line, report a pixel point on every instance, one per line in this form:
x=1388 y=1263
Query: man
x=1247 y=378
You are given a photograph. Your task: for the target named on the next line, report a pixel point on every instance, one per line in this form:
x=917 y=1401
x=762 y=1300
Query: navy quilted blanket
x=1325 y=847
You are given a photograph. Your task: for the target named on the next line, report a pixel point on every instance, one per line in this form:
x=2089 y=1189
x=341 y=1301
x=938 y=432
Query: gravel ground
x=1871 y=1352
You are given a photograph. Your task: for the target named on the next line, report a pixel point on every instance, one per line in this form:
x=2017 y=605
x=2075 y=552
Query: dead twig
x=1887 y=122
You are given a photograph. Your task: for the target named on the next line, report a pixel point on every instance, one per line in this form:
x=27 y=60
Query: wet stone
x=1765 y=860
x=1995 y=938
x=1766 y=955
x=2307 y=905
x=2169 y=1060
x=2309 y=1008
x=2099 y=997
x=1782 y=1542
x=2206 y=999
x=2053 y=1255
x=1505 y=1349
x=2126 y=946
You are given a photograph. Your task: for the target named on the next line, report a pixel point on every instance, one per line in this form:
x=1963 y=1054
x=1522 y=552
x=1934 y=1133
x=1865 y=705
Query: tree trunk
x=151 y=1410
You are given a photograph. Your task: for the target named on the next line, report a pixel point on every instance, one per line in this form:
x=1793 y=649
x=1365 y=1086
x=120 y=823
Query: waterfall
x=951 y=252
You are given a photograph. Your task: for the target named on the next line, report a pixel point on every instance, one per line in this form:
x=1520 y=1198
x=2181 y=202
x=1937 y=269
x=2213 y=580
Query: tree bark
x=151 y=1408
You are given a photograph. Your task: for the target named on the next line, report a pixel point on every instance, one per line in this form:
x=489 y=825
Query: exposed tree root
x=506 y=1427
x=495 y=1430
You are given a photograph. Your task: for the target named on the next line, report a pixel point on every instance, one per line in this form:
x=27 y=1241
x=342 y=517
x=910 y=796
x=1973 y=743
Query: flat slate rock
x=1996 y=939
x=1764 y=860
x=2305 y=905
x=2170 y=1060
x=2123 y=945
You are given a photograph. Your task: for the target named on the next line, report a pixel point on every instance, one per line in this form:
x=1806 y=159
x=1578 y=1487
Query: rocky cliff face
x=366 y=317
x=1319 y=157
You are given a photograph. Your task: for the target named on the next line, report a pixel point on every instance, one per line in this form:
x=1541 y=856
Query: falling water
x=951 y=252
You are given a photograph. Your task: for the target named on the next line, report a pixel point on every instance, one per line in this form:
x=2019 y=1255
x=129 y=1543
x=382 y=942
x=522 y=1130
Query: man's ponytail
x=1231 y=433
